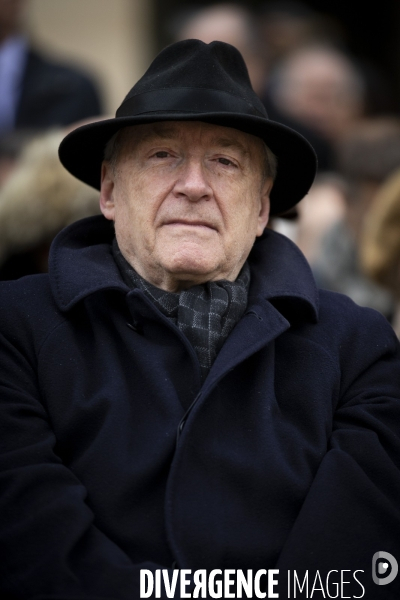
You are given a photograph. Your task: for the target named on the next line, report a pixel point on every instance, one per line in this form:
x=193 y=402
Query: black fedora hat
x=194 y=81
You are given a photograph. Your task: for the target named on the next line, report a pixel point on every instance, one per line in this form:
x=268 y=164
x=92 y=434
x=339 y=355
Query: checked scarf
x=205 y=313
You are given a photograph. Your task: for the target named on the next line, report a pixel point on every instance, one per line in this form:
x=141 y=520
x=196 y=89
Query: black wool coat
x=114 y=458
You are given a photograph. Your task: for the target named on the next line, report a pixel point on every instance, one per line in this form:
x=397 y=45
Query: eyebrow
x=230 y=143
x=172 y=133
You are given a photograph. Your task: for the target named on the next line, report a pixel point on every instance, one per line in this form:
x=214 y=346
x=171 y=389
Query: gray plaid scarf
x=205 y=313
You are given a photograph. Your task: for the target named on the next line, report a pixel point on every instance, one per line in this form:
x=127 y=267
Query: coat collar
x=81 y=263
x=281 y=274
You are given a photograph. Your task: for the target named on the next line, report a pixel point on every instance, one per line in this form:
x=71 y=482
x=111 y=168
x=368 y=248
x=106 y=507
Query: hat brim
x=82 y=150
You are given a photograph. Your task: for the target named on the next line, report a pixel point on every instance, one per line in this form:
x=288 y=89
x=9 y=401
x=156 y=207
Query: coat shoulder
x=345 y=316
x=354 y=334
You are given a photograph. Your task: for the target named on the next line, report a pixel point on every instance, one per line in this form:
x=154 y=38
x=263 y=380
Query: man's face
x=188 y=200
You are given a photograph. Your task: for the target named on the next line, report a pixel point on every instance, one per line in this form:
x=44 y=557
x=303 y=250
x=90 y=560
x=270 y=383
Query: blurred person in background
x=320 y=87
x=287 y=25
x=367 y=154
x=37 y=92
x=286 y=28
x=322 y=208
x=380 y=241
x=38 y=199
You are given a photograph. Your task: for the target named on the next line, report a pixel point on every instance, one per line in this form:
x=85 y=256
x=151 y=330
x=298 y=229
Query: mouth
x=187 y=223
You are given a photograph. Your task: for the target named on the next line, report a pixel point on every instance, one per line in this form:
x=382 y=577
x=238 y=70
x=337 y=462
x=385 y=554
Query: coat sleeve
x=352 y=509
x=50 y=546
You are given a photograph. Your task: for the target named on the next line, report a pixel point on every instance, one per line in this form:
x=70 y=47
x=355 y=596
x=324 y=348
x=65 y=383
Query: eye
x=225 y=161
x=161 y=154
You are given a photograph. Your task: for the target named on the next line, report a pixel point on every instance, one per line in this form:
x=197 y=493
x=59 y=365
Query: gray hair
x=113 y=147
x=270 y=163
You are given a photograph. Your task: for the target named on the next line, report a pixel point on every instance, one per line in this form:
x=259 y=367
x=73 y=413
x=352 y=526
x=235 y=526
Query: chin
x=195 y=268
x=192 y=271
x=193 y=259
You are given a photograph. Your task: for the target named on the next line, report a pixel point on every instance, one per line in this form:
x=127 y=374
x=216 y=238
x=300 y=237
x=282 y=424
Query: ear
x=263 y=215
x=107 y=205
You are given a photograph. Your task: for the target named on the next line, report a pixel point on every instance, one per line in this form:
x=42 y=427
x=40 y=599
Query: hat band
x=188 y=100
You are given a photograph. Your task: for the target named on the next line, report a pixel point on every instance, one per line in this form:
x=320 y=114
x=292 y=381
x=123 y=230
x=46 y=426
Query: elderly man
x=176 y=393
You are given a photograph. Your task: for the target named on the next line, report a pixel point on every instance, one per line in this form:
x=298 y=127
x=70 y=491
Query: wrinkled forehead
x=197 y=132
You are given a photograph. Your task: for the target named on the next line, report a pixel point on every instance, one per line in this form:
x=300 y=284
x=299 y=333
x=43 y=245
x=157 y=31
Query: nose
x=192 y=182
